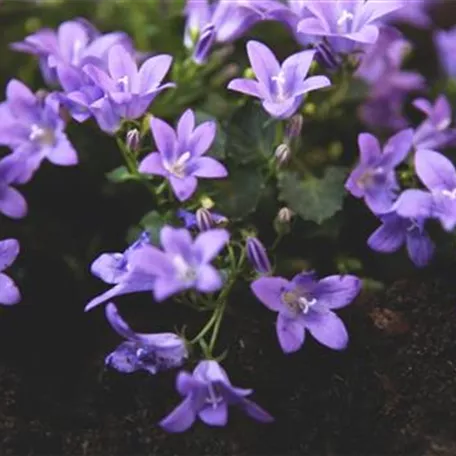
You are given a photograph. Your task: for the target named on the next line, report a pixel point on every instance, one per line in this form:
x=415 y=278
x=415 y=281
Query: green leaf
x=217 y=149
x=250 y=135
x=239 y=194
x=120 y=174
x=313 y=199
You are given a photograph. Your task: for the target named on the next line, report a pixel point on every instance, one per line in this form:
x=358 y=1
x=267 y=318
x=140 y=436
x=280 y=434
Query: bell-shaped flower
x=281 y=88
x=207 y=393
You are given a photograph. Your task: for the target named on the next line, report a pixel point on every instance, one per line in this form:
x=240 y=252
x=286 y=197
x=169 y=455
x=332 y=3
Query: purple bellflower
x=281 y=88
x=438 y=175
x=445 y=42
x=12 y=203
x=396 y=231
x=304 y=303
x=9 y=250
x=374 y=178
x=190 y=221
x=130 y=90
x=116 y=269
x=208 y=392
x=183 y=263
x=434 y=132
x=180 y=157
x=150 y=352
x=346 y=24
x=33 y=128
x=74 y=44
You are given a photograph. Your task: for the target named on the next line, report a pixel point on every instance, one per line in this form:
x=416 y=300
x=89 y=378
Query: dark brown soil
x=393 y=392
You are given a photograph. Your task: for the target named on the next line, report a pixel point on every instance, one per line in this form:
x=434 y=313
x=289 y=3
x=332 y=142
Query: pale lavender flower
x=150 y=352
x=9 y=250
x=12 y=203
x=396 y=231
x=183 y=263
x=130 y=90
x=346 y=24
x=33 y=128
x=74 y=44
x=374 y=178
x=434 y=132
x=180 y=157
x=116 y=269
x=438 y=175
x=207 y=393
x=445 y=42
x=281 y=88
x=307 y=304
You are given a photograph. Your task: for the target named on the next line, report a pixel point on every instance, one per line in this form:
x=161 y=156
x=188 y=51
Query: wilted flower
x=280 y=87
x=208 y=392
x=397 y=231
x=374 y=178
x=438 y=174
x=150 y=352
x=9 y=250
x=180 y=157
x=304 y=303
x=116 y=269
x=183 y=263
x=445 y=42
x=257 y=255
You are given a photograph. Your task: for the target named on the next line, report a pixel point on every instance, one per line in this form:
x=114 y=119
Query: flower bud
x=257 y=255
x=294 y=126
x=285 y=215
x=282 y=153
x=204 y=219
x=133 y=139
x=204 y=44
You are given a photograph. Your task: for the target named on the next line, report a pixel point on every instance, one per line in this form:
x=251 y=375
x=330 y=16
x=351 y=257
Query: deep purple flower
x=396 y=231
x=180 y=157
x=116 y=269
x=189 y=218
x=438 y=174
x=304 y=303
x=257 y=255
x=445 y=42
x=150 y=352
x=183 y=263
x=33 y=128
x=74 y=44
x=280 y=87
x=346 y=24
x=434 y=132
x=9 y=250
x=374 y=178
x=130 y=90
x=208 y=392
x=12 y=203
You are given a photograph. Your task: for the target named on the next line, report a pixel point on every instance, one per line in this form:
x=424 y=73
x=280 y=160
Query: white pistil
x=213 y=398
x=305 y=304
x=43 y=136
x=344 y=17
x=280 y=84
x=123 y=82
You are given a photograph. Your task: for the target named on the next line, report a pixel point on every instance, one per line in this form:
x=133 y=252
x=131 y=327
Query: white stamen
x=305 y=304
x=178 y=167
x=451 y=194
x=344 y=17
x=213 y=398
x=43 y=136
x=280 y=84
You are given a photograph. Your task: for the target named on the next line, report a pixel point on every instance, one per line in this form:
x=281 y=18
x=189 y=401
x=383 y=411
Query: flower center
x=213 y=397
x=179 y=166
x=123 y=83
x=451 y=194
x=298 y=303
x=185 y=272
x=371 y=177
x=279 y=81
x=43 y=136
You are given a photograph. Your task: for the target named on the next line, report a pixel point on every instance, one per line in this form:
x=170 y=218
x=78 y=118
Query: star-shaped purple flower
x=281 y=88
x=180 y=157
x=183 y=263
x=438 y=175
x=374 y=178
x=434 y=132
x=346 y=24
x=9 y=250
x=150 y=352
x=208 y=392
x=396 y=231
x=116 y=269
x=306 y=304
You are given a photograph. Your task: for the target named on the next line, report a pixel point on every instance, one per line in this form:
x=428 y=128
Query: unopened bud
x=133 y=139
x=285 y=215
x=294 y=126
x=204 y=44
x=257 y=255
x=282 y=153
x=204 y=220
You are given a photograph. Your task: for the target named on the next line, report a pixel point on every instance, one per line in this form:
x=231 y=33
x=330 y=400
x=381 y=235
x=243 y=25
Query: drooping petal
x=119 y=325
x=264 y=62
x=181 y=418
x=9 y=250
x=9 y=293
x=269 y=291
x=153 y=164
x=328 y=329
x=290 y=333
x=420 y=248
x=389 y=237
x=208 y=167
x=214 y=416
x=208 y=245
x=435 y=170
x=337 y=291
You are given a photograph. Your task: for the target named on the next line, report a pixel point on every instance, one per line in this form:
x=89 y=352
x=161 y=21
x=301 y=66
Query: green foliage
x=250 y=135
x=120 y=174
x=313 y=199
